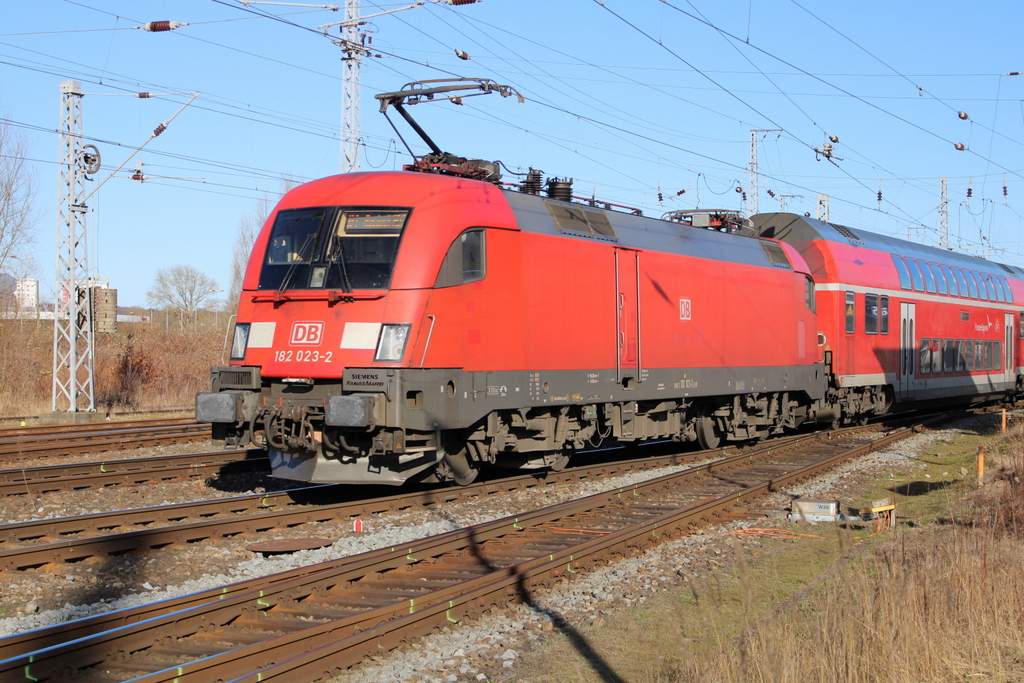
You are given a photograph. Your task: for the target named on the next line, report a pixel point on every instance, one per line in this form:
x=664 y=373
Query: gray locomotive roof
x=534 y=214
x=798 y=230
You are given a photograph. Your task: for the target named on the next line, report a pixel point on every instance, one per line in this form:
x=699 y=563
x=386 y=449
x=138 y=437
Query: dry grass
x=942 y=599
x=140 y=368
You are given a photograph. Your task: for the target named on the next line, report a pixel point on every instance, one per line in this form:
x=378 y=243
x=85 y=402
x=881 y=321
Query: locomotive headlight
x=391 y=346
x=240 y=342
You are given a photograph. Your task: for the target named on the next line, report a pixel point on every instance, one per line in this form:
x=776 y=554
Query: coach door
x=1009 y=366
x=908 y=352
x=627 y=313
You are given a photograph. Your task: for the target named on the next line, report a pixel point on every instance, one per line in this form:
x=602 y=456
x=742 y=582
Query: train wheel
x=707 y=433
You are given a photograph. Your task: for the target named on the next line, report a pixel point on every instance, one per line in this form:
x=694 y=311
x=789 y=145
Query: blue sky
x=628 y=97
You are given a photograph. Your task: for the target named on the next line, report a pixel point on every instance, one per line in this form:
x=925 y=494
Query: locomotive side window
x=950 y=280
x=960 y=357
x=465 y=261
x=870 y=314
x=851 y=324
x=901 y=268
x=885 y=315
x=809 y=296
x=926 y=356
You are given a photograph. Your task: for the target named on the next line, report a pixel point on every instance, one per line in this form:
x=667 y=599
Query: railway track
x=20 y=443
x=32 y=544
x=99 y=474
x=314 y=622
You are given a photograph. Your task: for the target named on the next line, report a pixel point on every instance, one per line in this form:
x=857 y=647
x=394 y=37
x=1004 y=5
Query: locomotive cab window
x=332 y=248
x=465 y=261
x=809 y=297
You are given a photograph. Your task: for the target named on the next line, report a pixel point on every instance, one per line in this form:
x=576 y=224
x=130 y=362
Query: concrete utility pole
x=72 y=313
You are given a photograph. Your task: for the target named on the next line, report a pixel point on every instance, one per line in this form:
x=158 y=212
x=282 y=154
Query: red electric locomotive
x=409 y=325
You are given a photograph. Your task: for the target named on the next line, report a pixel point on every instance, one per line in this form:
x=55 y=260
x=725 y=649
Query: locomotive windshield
x=332 y=248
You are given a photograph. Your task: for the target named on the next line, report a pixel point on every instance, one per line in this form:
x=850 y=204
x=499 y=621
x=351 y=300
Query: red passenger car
x=908 y=323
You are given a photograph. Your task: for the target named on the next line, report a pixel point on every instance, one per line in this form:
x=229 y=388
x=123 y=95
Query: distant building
x=26 y=295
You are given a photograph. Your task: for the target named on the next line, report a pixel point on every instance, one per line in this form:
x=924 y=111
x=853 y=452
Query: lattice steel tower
x=72 y=313
x=352 y=43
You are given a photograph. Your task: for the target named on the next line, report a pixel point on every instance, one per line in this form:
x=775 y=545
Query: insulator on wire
x=681 y=192
x=963 y=115
x=159 y=129
x=744 y=196
x=960 y=146
x=660 y=198
x=739 y=189
x=879 y=195
x=1004 y=190
x=143 y=95
x=771 y=194
x=159 y=26
x=970 y=192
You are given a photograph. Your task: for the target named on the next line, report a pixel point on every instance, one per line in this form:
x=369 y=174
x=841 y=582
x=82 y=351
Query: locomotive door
x=908 y=352
x=1009 y=364
x=627 y=313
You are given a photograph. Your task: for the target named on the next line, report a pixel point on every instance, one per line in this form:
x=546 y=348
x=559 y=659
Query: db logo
x=306 y=334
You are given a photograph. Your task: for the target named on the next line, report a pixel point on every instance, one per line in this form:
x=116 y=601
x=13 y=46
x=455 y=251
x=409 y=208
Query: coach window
x=929 y=277
x=870 y=314
x=960 y=355
x=994 y=293
x=926 y=356
x=901 y=269
x=884 y=312
x=972 y=286
x=988 y=354
x=851 y=300
x=969 y=356
x=915 y=274
x=953 y=289
x=936 y=356
x=997 y=355
x=465 y=261
x=940 y=279
x=982 y=292
x=949 y=357
x=1007 y=292
x=979 y=354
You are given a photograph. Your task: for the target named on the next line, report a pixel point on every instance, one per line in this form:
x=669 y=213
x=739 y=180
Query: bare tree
x=182 y=289
x=248 y=228
x=17 y=190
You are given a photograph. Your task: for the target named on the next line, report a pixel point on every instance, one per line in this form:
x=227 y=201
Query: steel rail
x=7 y=433
x=108 y=439
x=314 y=649
x=101 y=473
